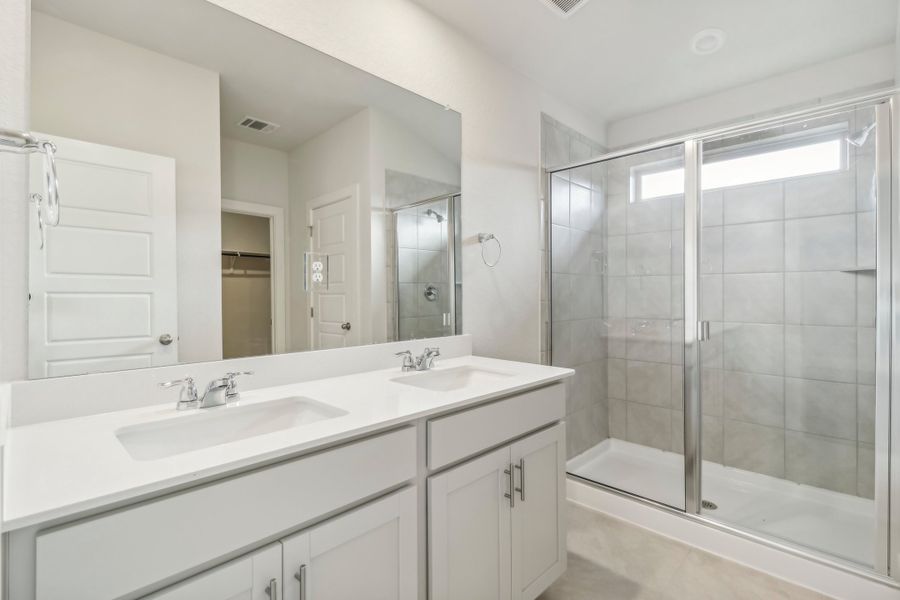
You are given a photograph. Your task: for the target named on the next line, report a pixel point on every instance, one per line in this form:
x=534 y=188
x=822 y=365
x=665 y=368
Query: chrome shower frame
x=887 y=336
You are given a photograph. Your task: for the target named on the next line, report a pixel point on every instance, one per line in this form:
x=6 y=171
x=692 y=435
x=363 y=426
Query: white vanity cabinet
x=252 y=577
x=496 y=523
x=370 y=553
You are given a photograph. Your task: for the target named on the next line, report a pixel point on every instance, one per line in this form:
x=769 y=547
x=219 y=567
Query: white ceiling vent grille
x=258 y=125
x=564 y=8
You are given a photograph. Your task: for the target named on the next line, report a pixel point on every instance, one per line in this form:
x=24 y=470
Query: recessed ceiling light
x=707 y=41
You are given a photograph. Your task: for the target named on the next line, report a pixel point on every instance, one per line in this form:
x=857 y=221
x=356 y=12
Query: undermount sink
x=215 y=426
x=448 y=380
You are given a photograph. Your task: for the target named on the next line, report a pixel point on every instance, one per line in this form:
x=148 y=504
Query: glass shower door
x=789 y=272
x=617 y=288
x=426 y=269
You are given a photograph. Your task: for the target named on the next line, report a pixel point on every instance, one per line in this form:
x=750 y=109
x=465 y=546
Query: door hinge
x=310 y=227
x=312 y=313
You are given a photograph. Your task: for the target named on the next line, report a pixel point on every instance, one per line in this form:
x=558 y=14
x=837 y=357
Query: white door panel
x=369 y=553
x=103 y=288
x=538 y=519
x=246 y=578
x=336 y=303
x=469 y=536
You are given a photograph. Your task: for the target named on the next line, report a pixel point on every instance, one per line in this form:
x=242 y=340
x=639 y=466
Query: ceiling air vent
x=258 y=125
x=564 y=8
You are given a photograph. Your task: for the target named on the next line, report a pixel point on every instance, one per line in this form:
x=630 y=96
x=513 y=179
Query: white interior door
x=538 y=520
x=469 y=538
x=103 y=287
x=248 y=578
x=336 y=302
x=367 y=553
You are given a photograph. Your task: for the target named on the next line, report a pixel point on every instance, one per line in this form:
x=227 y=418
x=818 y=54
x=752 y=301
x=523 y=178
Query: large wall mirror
x=229 y=192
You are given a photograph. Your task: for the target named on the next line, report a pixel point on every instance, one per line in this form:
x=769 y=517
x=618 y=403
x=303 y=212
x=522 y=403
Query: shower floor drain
x=709 y=505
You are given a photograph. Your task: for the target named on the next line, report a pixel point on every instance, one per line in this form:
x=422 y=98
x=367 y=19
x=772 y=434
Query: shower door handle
x=703 y=331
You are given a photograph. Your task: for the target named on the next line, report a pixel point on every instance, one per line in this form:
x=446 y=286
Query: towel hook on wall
x=20 y=142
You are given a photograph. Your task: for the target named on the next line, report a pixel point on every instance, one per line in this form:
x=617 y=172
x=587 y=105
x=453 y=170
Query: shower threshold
x=829 y=522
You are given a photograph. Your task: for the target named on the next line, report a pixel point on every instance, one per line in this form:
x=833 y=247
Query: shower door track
x=887 y=372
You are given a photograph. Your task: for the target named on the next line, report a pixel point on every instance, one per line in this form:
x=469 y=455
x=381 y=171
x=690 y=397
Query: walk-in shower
x=427 y=294
x=726 y=299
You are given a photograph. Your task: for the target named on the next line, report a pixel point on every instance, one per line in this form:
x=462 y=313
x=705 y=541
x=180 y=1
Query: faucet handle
x=187 y=397
x=429 y=355
x=408 y=362
x=231 y=392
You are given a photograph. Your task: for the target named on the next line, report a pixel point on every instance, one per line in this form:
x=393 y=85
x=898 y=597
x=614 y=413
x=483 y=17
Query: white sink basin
x=454 y=378
x=221 y=425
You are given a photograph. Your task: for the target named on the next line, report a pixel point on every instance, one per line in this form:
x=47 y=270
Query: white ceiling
x=262 y=74
x=618 y=58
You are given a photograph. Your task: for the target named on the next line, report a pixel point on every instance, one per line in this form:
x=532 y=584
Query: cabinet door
x=538 y=520
x=251 y=577
x=370 y=553
x=469 y=540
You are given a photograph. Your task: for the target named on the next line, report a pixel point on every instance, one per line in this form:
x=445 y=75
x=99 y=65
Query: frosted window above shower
x=770 y=165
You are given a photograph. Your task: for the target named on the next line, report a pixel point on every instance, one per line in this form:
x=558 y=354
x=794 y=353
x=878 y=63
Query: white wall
x=14 y=81
x=121 y=95
x=396 y=148
x=331 y=161
x=252 y=173
x=401 y=42
x=864 y=71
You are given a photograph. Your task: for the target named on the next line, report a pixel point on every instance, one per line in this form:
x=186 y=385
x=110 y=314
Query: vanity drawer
x=466 y=433
x=131 y=549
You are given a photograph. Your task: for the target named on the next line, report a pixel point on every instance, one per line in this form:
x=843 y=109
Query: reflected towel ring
x=22 y=142
x=484 y=237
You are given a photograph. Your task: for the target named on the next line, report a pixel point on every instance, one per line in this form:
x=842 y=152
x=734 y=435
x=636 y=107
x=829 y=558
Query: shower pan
x=726 y=298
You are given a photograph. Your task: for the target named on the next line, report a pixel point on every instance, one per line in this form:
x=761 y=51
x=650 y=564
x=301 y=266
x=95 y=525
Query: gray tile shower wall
x=788 y=283
x=576 y=276
x=418 y=244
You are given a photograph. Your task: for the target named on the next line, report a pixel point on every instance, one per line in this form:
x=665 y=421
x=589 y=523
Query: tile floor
x=610 y=559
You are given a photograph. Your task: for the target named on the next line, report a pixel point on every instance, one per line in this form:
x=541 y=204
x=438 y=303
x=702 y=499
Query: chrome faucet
x=420 y=363
x=218 y=391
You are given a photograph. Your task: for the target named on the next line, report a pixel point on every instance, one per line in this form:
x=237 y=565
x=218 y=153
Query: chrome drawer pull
x=300 y=576
x=521 y=488
x=272 y=589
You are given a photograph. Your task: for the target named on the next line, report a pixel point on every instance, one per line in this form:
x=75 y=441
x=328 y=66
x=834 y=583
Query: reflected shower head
x=435 y=214
x=859 y=138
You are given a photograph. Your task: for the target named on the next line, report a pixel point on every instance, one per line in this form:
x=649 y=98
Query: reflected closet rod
x=239 y=254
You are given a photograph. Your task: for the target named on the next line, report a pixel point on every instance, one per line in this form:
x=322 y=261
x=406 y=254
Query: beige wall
x=98 y=89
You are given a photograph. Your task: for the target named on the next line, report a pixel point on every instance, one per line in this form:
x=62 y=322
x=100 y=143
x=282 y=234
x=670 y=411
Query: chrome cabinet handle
x=521 y=488
x=300 y=576
x=166 y=339
x=345 y=326
x=272 y=589
x=512 y=494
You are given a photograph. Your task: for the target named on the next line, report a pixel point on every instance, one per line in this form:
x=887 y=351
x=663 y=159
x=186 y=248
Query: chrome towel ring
x=483 y=238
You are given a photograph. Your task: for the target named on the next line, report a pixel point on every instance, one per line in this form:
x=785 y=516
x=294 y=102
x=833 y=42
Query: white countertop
x=61 y=468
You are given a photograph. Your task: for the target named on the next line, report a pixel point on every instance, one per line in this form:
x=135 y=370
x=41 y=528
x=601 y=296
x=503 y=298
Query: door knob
x=166 y=339
x=345 y=326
